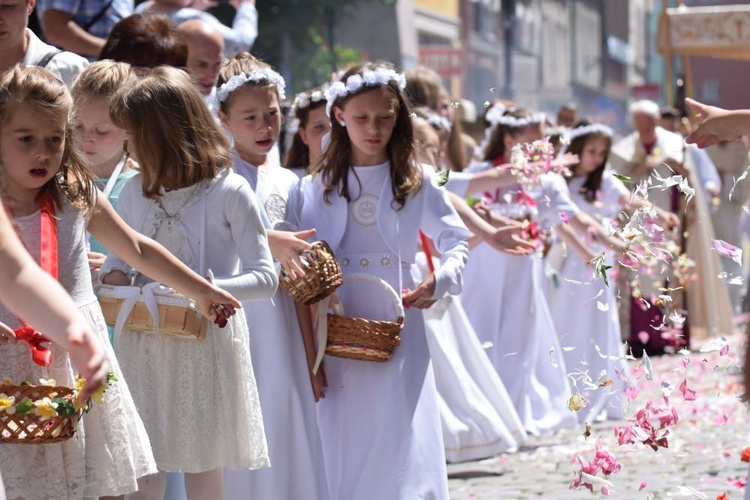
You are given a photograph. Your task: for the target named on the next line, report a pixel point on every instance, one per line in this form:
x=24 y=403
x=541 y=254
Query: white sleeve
x=257 y=278
x=441 y=223
x=241 y=36
x=556 y=199
x=705 y=168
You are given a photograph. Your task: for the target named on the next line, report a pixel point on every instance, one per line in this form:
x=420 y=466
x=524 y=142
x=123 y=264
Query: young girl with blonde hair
x=53 y=198
x=102 y=144
x=368 y=198
x=186 y=197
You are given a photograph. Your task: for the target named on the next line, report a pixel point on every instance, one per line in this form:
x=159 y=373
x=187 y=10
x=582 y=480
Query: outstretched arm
x=154 y=260
x=35 y=296
x=716 y=124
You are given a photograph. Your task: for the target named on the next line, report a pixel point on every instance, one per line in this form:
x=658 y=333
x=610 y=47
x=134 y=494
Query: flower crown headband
x=440 y=122
x=255 y=76
x=303 y=100
x=594 y=128
x=355 y=83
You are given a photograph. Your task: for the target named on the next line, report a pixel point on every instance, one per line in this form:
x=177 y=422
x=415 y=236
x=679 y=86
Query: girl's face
x=98 y=138
x=445 y=108
x=318 y=125
x=254 y=120
x=593 y=155
x=370 y=118
x=31 y=150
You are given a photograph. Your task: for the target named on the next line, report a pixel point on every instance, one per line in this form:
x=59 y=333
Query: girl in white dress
x=368 y=198
x=477 y=415
x=281 y=342
x=309 y=109
x=111 y=449
x=100 y=141
x=198 y=400
x=504 y=294
x=596 y=191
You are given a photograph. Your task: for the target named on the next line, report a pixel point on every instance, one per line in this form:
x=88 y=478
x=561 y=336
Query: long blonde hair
x=334 y=165
x=40 y=89
x=175 y=138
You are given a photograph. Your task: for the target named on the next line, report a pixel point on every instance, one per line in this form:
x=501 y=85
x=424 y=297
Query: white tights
x=198 y=486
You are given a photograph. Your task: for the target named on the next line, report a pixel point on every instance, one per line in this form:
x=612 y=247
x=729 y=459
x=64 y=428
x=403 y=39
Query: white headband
x=594 y=128
x=355 y=83
x=439 y=121
x=256 y=76
x=304 y=100
x=495 y=113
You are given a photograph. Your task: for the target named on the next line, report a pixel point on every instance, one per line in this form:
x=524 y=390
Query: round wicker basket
x=322 y=277
x=32 y=428
x=366 y=339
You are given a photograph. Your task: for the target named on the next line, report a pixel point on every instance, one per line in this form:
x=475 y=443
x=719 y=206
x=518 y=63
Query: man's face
x=203 y=62
x=14 y=16
x=644 y=123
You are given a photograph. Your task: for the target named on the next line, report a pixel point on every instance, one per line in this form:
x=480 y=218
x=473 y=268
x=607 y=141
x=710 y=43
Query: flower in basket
x=7 y=404
x=46 y=408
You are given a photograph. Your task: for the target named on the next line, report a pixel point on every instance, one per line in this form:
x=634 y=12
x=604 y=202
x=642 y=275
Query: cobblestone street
x=702 y=459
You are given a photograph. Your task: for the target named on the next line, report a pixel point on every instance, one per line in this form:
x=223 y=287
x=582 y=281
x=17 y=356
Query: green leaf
x=624 y=178
x=24 y=407
x=443 y=178
x=64 y=409
x=471 y=201
x=111 y=377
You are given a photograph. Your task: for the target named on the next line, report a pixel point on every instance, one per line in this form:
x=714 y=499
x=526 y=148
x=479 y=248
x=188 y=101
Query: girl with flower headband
x=368 y=198
x=504 y=294
x=249 y=93
x=208 y=217
x=53 y=197
x=309 y=108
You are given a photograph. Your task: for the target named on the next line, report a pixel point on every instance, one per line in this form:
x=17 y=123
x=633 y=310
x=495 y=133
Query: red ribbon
x=427 y=251
x=40 y=354
x=525 y=199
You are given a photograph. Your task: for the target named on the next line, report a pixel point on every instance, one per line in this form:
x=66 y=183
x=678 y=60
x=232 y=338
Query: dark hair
x=298 y=155
x=593 y=182
x=177 y=141
x=47 y=94
x=146 y=41
x=334 y=165
x=495 y=147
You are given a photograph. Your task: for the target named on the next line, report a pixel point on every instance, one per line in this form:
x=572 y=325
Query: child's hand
x=217 y=305
x=6 y=334
x=567 y=160
x=116 y=277
x=319 y=382
x=421 y=297
x=88 y=358
x=508 y=239
x=286 y=247
x=96 y=261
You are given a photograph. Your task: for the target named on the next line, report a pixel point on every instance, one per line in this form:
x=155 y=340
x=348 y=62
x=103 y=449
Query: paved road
x=702 y=460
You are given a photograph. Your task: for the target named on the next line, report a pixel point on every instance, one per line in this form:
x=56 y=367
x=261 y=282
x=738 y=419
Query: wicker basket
x=30 y=428
x=366 y=339
x=322 y=277
x=178 y=315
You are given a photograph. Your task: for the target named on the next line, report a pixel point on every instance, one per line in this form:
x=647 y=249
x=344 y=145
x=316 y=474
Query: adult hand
x=712 y=124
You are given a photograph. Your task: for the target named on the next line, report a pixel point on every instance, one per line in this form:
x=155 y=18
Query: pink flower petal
x=642 y=485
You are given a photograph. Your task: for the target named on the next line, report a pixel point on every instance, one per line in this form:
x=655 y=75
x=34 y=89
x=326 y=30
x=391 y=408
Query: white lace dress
x=111 y=449
x=199 y=400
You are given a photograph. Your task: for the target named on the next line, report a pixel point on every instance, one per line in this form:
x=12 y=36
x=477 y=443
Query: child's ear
x=224 y=119
x=338 y=114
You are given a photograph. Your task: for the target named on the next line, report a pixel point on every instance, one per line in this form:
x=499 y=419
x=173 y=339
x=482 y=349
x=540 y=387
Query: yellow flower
x=7 y=404
x=576 y=403
x=46 y=408
x=98 y=396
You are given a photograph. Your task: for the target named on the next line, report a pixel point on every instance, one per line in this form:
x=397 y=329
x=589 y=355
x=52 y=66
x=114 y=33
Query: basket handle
x=333 y=302
x=131 y=294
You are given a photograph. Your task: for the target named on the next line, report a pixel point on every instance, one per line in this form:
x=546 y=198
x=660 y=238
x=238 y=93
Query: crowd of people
x=149 y=152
